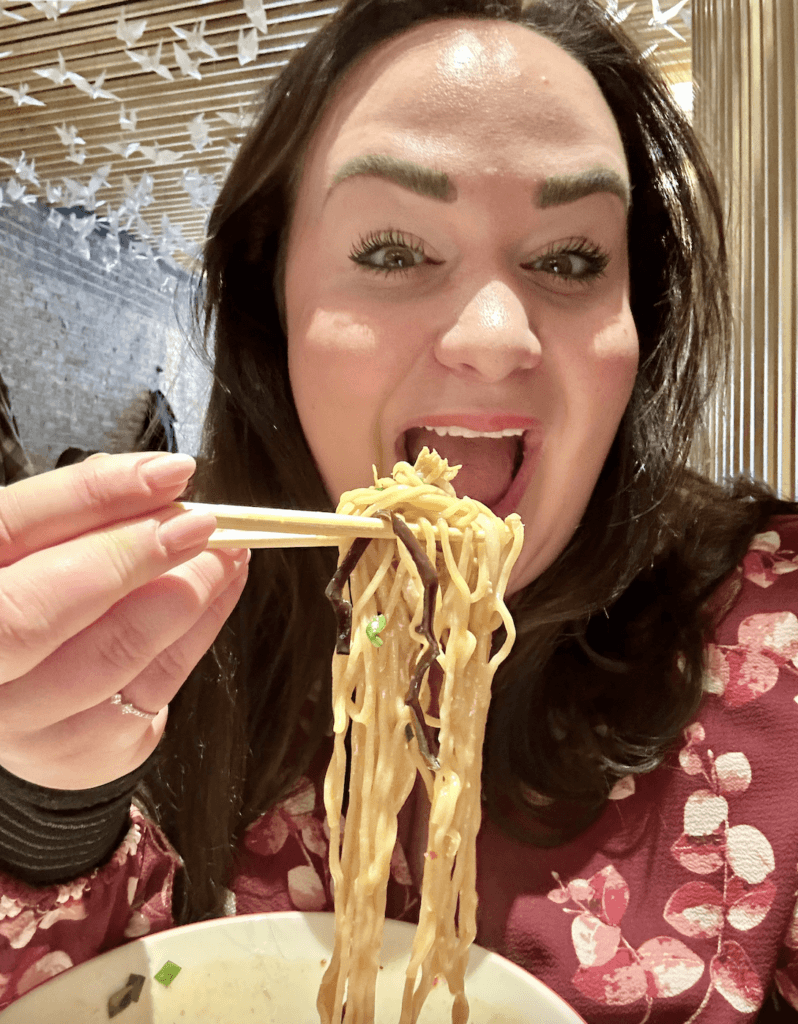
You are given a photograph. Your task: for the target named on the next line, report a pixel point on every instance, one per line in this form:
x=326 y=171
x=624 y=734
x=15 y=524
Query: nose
x=492 y=337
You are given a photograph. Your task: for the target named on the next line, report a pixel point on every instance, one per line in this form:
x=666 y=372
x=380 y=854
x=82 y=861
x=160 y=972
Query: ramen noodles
x=411 y=697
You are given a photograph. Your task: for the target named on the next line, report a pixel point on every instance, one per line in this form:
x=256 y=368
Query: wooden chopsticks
x=240 y=526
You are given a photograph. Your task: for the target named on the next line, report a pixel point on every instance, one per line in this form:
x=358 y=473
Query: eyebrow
x=426 y=181
x=567 y=188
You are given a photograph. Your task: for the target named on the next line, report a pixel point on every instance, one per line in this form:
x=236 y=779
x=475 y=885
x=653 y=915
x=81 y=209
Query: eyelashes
x=573 y=261
x=390 y=239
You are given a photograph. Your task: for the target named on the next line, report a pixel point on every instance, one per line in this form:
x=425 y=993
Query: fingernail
x=186 y=530
x=240 y=557
x=168 y=470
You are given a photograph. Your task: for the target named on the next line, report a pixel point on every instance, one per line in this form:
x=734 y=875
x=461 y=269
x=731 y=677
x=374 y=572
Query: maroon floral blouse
x=677 y=905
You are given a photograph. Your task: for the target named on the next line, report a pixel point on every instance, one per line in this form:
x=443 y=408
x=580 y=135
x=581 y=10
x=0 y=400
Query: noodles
x=393 y=728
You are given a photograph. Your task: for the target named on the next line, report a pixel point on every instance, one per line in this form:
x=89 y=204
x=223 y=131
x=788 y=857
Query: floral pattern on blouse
x=678 y=905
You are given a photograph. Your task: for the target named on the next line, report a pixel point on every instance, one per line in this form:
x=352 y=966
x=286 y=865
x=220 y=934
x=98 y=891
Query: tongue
x=487 y=461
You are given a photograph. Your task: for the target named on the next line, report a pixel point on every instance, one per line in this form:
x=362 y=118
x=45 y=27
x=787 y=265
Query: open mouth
x=491 y=461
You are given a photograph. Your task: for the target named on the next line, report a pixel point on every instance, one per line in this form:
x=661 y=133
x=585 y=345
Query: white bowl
x=267 y=968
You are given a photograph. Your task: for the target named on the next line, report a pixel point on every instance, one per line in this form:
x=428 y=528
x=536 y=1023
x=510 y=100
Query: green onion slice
x=377 y=625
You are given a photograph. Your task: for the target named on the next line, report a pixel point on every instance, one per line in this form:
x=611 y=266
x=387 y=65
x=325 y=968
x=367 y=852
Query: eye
x=574 y=261
x=389 y=252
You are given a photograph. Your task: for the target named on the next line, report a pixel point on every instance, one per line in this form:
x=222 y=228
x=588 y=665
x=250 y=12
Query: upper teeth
x=464 y=432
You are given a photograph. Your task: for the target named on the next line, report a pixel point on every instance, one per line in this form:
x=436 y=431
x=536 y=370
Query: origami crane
x=82 y=226
x=75 y=155
x=20 y=96
x=662 y=19
x=55 y=220
x=240 y=120
x=57 y=73
x=18 y=193
x=127 y=121
x=257 y=15
x=109 y=260
x=195 y=38
x=68 y=136
x=151 y=62
x=111 y=222
x=139 y=249
x=247 y=46
x=160 y=157
x=198 y=132
x=55 y=193
x=231 y=151
x=26 y=171
x=93 y=89
x=189 y=67
x=123 y=149
x=99 y=178
x=129 y=31
x=202 y=188
x=136 y=197
x=171 y=239
x=142 y=228
x=79 y=194
x=52 y=8
x=615 y=13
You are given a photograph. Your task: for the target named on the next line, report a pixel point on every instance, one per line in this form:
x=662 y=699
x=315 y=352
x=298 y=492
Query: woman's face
x=457 y=275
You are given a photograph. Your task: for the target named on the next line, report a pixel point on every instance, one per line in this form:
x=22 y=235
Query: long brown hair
x=570 y=713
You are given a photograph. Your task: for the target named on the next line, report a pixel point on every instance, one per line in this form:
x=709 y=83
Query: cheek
x=332 y=351
x=609 y=372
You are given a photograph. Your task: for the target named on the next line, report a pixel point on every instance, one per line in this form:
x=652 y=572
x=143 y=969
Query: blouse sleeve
x=45 y=930
x=786 y=977
x=771 y=566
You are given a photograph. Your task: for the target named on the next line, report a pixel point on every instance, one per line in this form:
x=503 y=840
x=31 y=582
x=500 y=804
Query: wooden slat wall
x=86 y=37
x=744 y=59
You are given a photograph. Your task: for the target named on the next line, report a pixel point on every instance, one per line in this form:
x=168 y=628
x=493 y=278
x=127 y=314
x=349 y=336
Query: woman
x=451 y=215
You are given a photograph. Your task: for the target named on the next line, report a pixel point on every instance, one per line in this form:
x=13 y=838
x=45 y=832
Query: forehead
x=469 y=95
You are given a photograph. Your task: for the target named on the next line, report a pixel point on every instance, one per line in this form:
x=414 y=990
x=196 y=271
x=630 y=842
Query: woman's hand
x=103 y=589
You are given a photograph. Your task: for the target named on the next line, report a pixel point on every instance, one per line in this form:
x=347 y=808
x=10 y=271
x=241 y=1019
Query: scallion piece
x=377 y=625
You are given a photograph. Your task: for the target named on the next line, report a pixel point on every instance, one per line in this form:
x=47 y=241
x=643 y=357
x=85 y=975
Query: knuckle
x=171 y=666
x=23 y=624
x=218 y=613
x=124 y=647
x=121 y=554
x=10 y=516
x=90 y=484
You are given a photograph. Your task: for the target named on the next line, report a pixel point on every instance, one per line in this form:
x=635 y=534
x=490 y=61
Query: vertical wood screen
x=745 y=54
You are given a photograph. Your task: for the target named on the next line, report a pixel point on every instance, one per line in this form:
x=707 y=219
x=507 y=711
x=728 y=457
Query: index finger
x=56 y=506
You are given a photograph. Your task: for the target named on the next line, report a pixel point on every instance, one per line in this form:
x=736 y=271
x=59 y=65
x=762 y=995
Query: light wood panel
x=746 y=112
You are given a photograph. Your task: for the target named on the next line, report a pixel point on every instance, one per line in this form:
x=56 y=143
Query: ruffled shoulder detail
x=45 y=930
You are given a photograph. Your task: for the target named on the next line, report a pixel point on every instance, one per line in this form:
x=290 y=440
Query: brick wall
x=80 y=339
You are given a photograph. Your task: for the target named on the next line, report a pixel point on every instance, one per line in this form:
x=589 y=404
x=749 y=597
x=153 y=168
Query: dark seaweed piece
x=427 y=744
x=129 y=993
x=334 y=594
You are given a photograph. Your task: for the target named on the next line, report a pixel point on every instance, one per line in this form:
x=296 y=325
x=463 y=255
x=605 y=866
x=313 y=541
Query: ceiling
x=175 y=113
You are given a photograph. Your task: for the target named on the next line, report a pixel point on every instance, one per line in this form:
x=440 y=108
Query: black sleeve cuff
x=50 y=836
